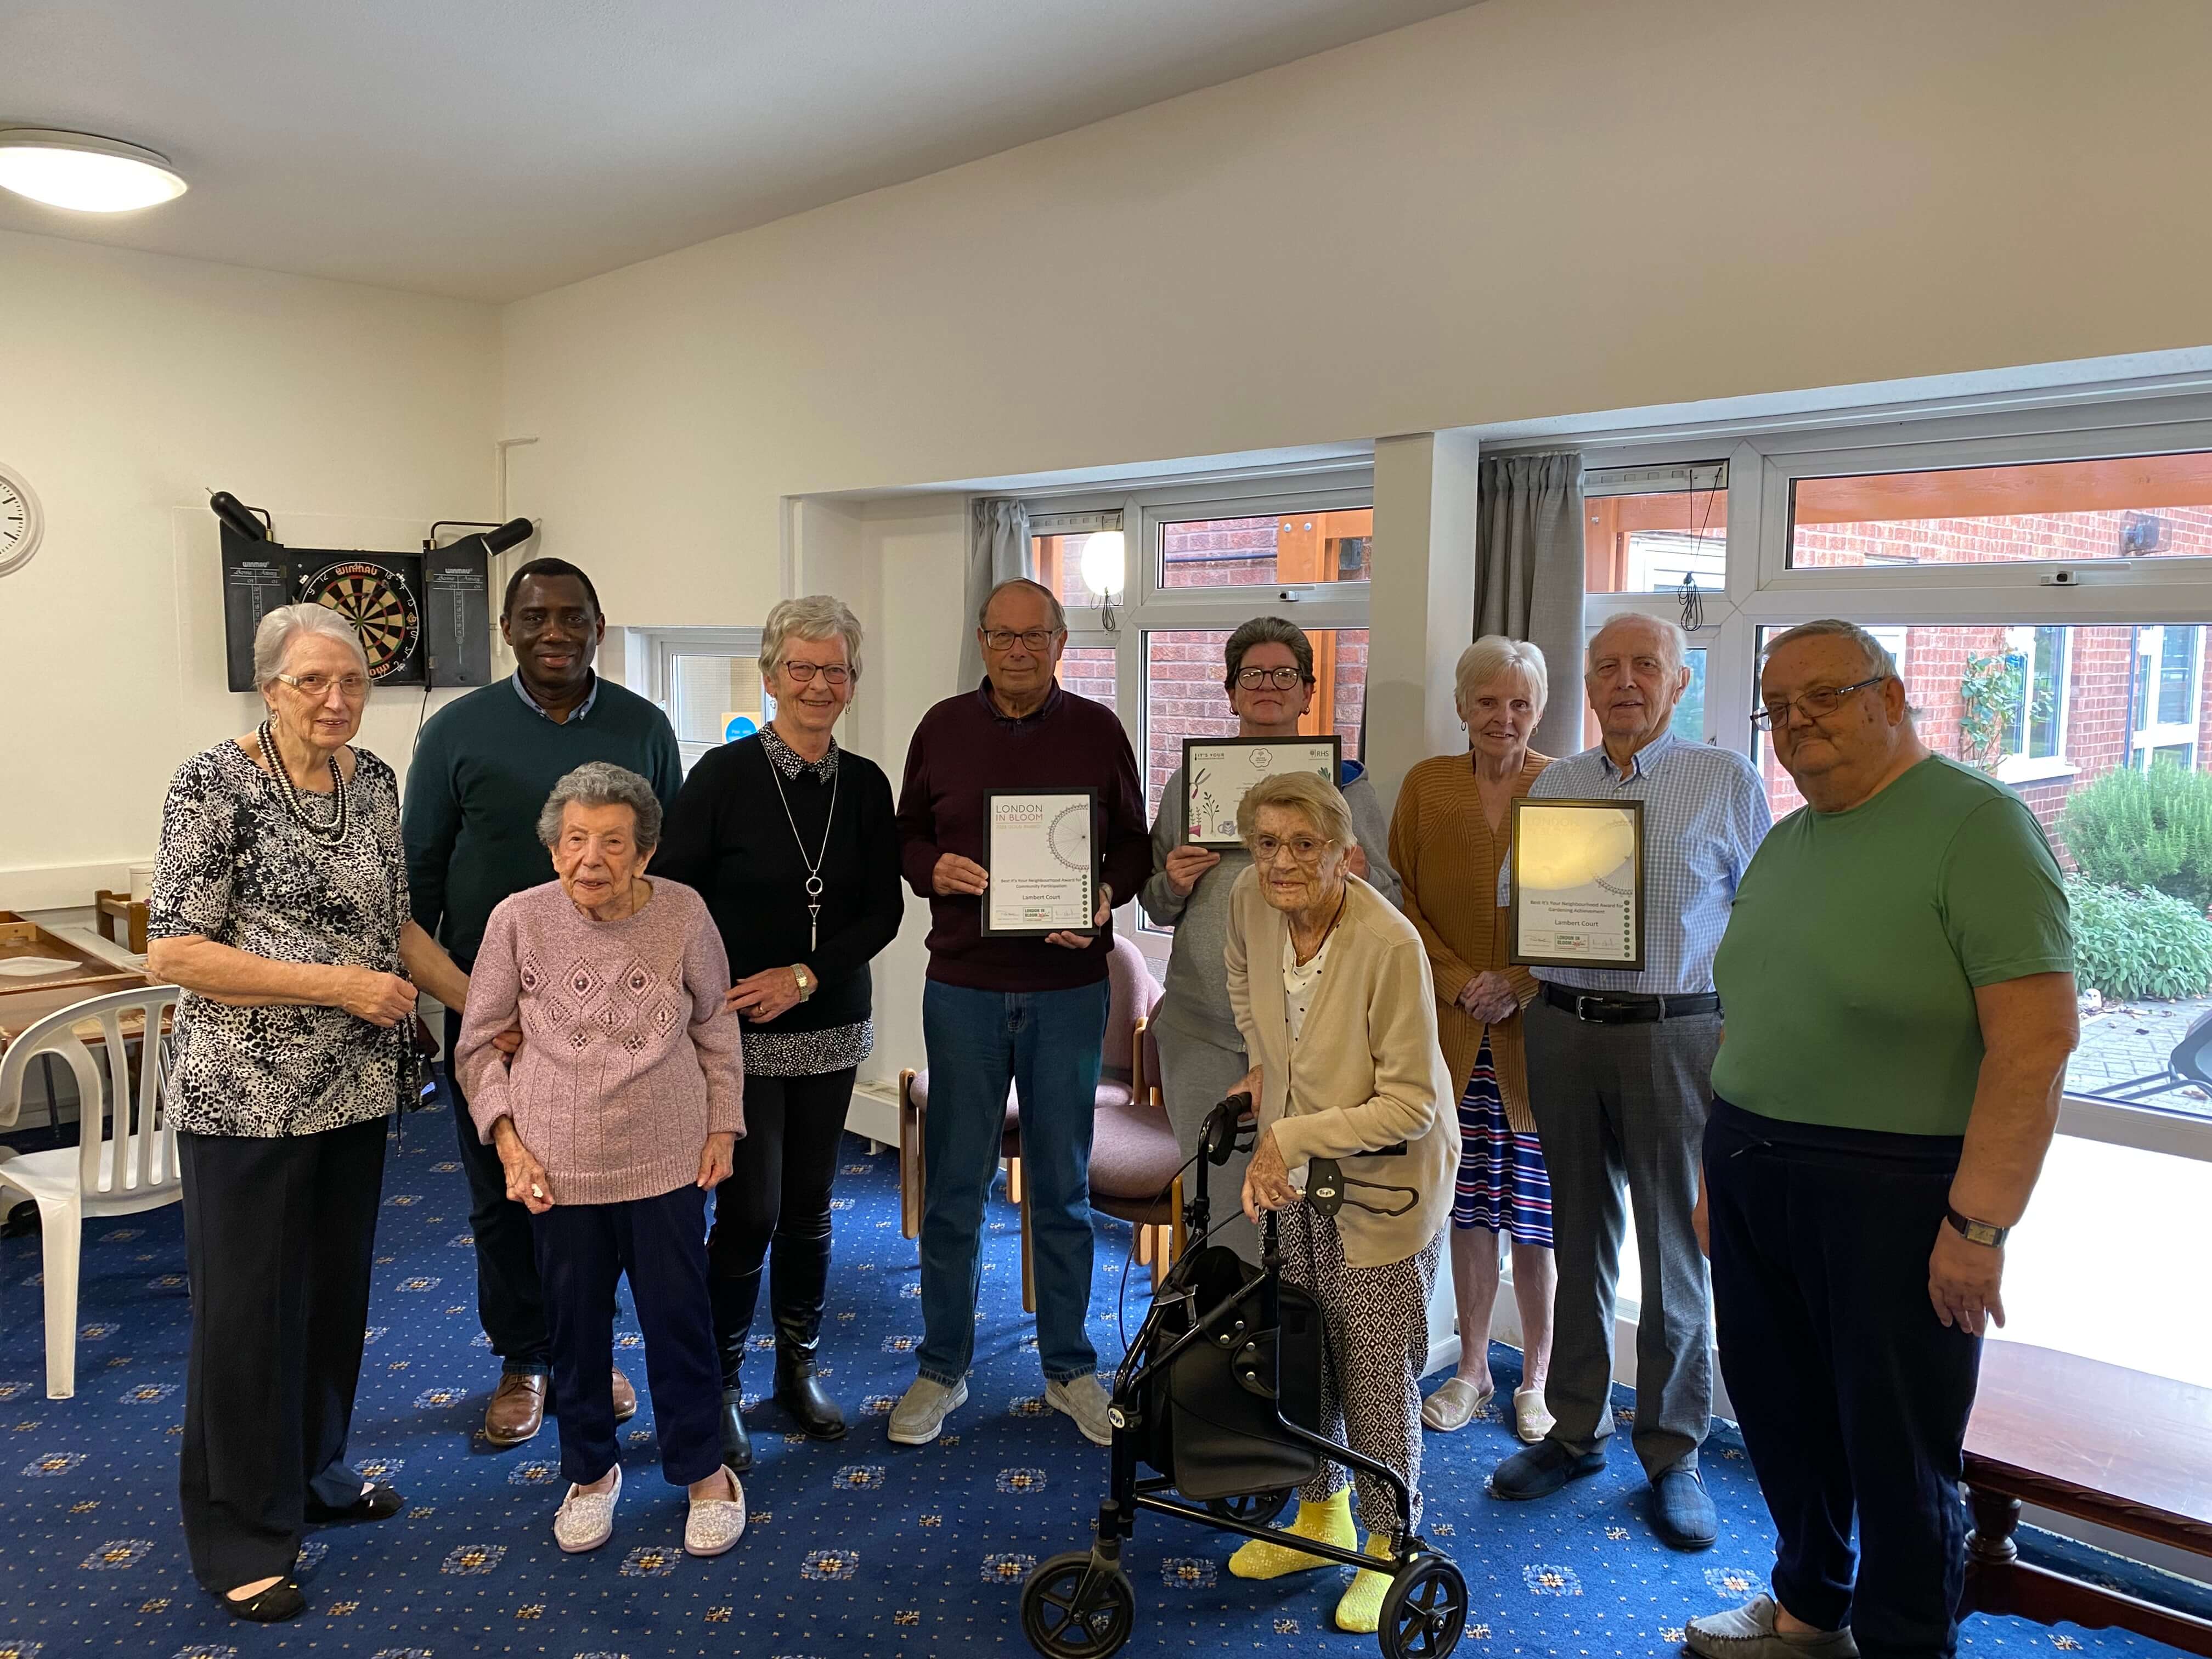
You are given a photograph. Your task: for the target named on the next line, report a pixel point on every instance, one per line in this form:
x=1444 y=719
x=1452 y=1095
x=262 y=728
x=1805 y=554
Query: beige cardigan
x=1367 y=1072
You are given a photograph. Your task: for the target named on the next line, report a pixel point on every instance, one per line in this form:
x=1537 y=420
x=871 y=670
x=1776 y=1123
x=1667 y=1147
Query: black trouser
x=780 y=1177
x=582 y=1249
x=510 y=1303
x=1852 y=1394
x=280 y=1233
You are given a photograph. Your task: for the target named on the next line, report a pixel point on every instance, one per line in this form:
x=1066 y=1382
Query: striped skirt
x=1502 y=1185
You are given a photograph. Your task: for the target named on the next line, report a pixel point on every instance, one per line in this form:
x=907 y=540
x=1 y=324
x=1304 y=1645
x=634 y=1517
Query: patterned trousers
x=1377 y=1320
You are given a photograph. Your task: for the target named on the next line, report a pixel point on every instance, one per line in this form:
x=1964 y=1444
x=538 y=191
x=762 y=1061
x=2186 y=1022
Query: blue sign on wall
x=739 y=726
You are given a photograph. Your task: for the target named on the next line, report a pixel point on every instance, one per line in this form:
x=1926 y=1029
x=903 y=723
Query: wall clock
x=19 y=523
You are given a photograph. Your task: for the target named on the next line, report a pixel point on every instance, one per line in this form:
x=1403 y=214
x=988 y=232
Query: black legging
x=778 y=1189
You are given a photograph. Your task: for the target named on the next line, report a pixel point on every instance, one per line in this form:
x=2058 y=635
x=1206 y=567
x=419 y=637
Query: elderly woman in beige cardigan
x=1330 y=988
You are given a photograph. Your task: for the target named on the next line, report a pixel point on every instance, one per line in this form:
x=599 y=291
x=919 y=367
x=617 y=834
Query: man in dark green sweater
x=482 y=769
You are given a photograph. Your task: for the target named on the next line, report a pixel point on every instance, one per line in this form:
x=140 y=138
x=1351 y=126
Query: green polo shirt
x=1848 y=972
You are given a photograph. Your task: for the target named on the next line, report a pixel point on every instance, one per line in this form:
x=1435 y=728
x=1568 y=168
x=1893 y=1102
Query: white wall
x=134 y=383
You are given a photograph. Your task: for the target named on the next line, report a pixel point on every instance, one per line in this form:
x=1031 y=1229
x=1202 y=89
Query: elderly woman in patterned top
x=791 y=841
x=280 y=906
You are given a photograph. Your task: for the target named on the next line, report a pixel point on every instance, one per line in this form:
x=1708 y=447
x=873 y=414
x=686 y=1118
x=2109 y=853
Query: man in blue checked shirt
x=1619 y=1075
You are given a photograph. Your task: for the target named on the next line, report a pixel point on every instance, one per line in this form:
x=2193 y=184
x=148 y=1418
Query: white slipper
x=1531 y=1422
x=586 y=1520
x=1452 y=1407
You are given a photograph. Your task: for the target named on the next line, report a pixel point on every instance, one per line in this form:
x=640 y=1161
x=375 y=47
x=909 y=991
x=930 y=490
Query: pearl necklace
x=330 y=833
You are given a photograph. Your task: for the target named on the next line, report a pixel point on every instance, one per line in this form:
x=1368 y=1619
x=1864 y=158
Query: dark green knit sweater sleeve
x=667 y=770
x=430 y=824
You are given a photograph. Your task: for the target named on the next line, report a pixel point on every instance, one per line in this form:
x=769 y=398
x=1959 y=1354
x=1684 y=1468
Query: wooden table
x=2099 y=1443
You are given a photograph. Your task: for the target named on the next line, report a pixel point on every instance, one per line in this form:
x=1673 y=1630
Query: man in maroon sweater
x=1026 y=1012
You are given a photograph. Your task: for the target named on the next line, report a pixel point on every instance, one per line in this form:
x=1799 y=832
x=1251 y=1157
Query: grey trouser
x=1199 y=1074
x=1623 y=1107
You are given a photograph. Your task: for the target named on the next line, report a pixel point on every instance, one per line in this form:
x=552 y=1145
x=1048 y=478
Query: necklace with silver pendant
x=813 y=865
x=330 y=832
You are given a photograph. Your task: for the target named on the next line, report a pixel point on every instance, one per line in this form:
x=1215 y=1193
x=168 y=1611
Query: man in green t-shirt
x=1897 y=983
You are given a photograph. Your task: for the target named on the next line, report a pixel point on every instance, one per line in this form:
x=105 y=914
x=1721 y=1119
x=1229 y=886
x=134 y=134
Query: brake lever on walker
x=1326 y=1182
x=1229 y=1129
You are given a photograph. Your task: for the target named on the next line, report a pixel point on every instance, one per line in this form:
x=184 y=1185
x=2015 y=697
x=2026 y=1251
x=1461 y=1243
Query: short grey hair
x=1878 y=659
x=602 y=783
x=816 y=616
x=1059 y=610
x=273 y=639
x=1677 y=641
x=1267 y=630
x=1308 y=793
x=1493 y=657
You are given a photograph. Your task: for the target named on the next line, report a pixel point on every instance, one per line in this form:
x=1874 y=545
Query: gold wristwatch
x=1977 y=1232
x=806 y=981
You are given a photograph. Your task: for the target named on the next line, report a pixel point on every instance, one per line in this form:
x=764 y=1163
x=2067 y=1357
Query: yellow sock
x=1361 y=1609
x=1325 y=1524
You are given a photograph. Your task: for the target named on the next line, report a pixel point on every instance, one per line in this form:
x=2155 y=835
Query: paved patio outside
x=2131 y=1040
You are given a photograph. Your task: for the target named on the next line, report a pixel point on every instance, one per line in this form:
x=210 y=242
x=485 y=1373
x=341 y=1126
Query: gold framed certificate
x=1577 y=884
x=1044 y=862
x=1217 y=772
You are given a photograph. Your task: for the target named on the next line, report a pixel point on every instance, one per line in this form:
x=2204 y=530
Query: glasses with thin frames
x=1816 y=704
x=1305 y=849
x=352 y=686
x=1032 y=639
x=803 y=673
x=1251 y=679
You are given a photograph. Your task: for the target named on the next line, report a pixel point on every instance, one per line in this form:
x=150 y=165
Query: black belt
x=1625 y=1008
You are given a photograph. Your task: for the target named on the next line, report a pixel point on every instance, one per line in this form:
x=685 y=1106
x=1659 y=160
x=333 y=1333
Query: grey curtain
x=1528 y=575
x=998 y=551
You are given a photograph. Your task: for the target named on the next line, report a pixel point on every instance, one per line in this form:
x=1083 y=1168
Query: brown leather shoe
x=517 y=1410
x=625 y=1398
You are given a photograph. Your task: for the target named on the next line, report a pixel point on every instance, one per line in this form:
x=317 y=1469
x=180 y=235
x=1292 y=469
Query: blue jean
x=1046 y=1044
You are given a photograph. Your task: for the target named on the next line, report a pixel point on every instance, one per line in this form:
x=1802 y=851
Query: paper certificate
x=1043 y=869
x=1577 y=887
x=1216 y=771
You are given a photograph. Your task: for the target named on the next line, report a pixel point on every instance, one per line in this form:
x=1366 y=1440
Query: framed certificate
x=1044 y=862
x=1216 y=771
x=1577 y=884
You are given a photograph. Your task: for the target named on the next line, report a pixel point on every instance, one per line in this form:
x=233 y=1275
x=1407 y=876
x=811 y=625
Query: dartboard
x=376 y=599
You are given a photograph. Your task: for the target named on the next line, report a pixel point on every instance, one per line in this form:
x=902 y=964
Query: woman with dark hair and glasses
x=1268 y=673
x=790 y=839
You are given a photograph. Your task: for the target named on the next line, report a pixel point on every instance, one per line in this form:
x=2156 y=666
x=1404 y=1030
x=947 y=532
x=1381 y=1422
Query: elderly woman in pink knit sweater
x=615 y=1120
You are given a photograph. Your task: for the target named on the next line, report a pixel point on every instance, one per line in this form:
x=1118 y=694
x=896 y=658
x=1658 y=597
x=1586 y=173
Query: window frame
x=654 y=650
x=2146 y=740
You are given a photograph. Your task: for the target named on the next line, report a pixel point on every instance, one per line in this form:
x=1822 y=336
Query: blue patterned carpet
x=854 y=1548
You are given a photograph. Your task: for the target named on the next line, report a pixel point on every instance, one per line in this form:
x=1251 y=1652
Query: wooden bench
x=2122 y=1449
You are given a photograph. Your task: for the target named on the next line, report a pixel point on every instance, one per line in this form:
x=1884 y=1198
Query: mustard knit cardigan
x=1448 y=858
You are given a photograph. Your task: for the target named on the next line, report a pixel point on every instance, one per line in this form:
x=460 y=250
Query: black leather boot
x=733 y=1301
x=799 y=1281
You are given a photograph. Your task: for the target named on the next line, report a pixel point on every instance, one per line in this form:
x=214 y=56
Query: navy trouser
x=661 y=1243
x=1853 y=1396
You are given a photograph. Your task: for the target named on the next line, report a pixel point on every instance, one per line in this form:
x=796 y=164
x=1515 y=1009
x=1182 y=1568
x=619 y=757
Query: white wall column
x=1421 y=600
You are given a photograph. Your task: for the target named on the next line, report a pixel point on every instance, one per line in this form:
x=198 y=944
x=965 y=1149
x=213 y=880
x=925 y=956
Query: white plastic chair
x=126 y=1157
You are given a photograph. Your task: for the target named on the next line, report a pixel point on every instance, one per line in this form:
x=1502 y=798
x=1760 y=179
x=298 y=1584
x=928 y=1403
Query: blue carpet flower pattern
x=855 y=1547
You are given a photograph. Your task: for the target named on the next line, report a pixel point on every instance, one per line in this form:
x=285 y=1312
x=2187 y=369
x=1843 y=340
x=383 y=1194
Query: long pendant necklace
x=813 y=865
x=330 y=833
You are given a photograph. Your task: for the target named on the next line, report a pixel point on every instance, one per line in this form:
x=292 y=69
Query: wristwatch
x=1977 y=1232
x=807 y=982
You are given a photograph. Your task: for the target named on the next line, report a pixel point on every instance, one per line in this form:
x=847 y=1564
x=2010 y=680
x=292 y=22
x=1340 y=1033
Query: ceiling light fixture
x=83 y=173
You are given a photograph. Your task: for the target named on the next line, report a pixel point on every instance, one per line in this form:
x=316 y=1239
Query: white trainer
x=715 y=1524
x=1084 y=1399
x=586 y=1520
x=919 y=1417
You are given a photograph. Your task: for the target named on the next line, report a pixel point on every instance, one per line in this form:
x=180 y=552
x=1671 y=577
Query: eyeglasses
x=1306 y=849
x=1032 y=639
x=1251 y=679
x=352 y=686
x=835 y=673
x=1816 y=704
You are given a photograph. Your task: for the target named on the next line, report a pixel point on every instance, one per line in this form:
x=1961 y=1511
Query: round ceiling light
x=85 y=173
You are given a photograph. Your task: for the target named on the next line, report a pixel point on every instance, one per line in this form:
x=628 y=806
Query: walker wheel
x=1424 y=1610
x=1254 y=1509
x=1074 y=1606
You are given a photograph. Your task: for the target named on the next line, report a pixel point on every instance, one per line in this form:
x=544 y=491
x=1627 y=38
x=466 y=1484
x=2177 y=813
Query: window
x=1185 y=698
x=706 y=681
x=2168 y=709
x=1057 y=544
x=1651 y=529
x=1088 y=670
x=1289 y=549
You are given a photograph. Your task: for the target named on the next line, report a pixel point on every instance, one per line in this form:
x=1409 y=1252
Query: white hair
x=1878 y=659
x=1678 y=643
x=1493 y=657
x=816 y=616
x=272 y=640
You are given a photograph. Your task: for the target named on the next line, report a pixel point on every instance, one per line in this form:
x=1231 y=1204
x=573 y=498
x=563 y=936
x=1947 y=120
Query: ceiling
x=492 y=149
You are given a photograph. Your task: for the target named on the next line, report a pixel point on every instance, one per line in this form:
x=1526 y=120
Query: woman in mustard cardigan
x=1450 y=839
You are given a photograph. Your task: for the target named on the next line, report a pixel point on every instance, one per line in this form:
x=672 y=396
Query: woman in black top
x=790 y=839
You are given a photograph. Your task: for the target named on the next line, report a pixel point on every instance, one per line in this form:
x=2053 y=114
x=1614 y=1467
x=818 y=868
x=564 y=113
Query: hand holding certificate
x=1043 y=865
x=1578 y=884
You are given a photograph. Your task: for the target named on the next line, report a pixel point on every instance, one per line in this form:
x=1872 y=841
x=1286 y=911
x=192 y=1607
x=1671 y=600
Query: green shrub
x=2138 y=942
x=2136 y=829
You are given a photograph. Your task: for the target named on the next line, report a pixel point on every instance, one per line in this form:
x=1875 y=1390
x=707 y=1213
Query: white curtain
x=1528 y=575
x=998 y=551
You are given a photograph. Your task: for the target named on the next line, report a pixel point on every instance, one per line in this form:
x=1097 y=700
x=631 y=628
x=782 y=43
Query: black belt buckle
x=1621 y=1016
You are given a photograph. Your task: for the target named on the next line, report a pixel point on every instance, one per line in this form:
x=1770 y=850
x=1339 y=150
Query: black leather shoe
x=736 y=1444
x=1541 y=1470
x=379 y=1503
x=280 y=1602
x=799 y=1392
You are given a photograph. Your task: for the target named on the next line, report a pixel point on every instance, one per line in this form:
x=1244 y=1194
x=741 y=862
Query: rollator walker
x=1220 y=1394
